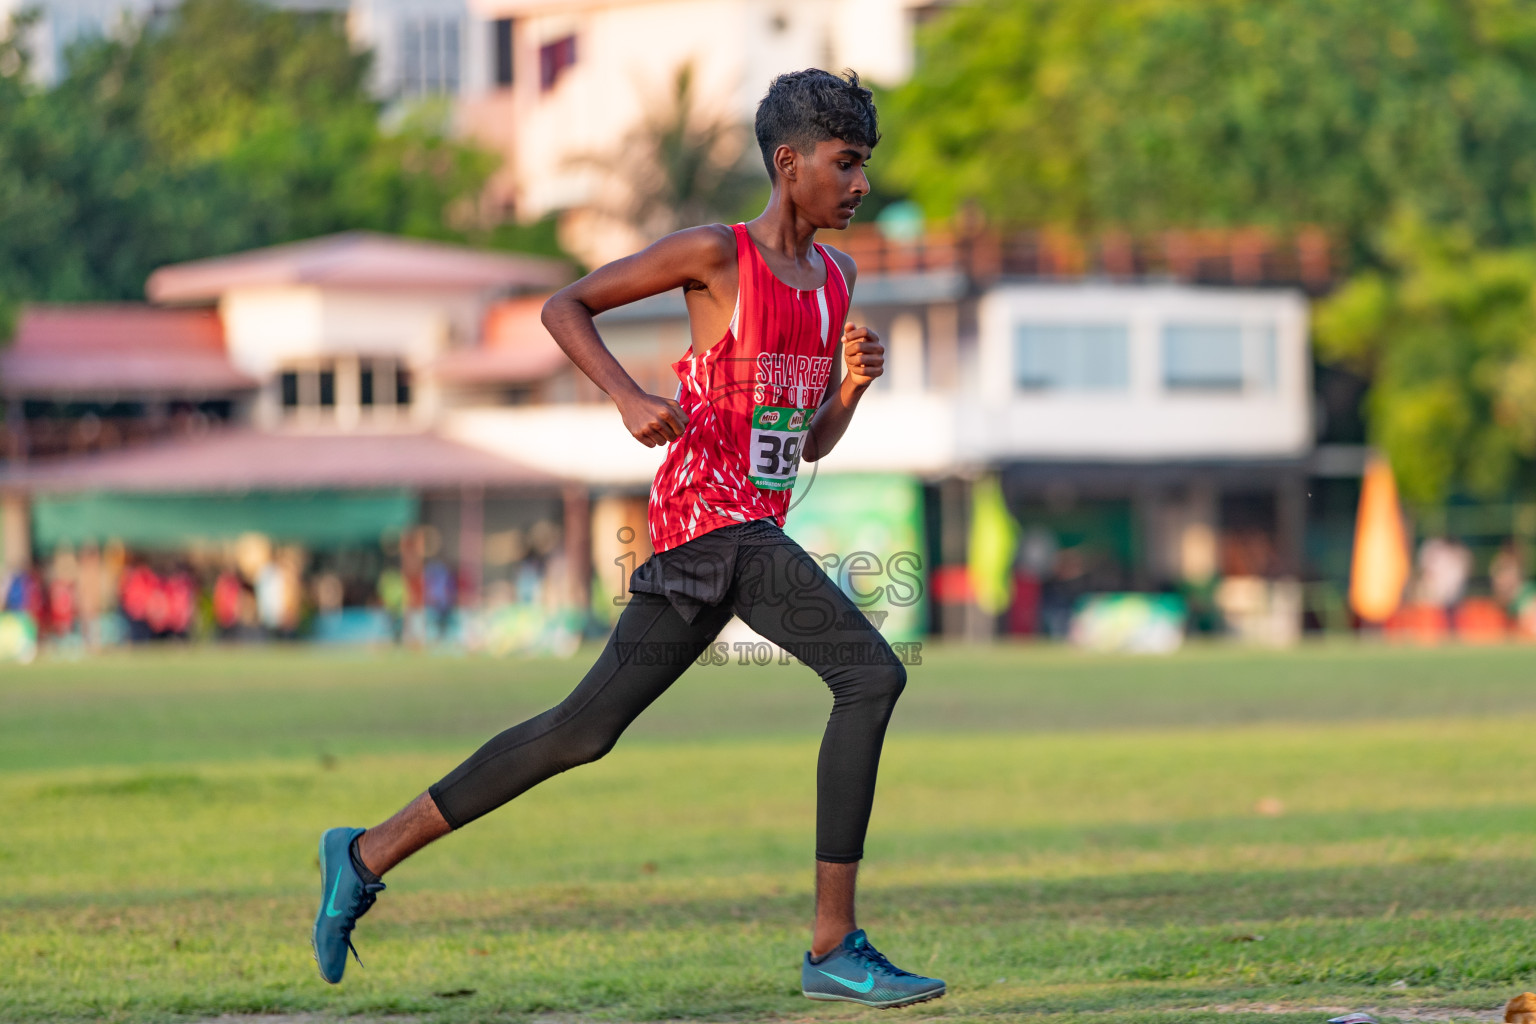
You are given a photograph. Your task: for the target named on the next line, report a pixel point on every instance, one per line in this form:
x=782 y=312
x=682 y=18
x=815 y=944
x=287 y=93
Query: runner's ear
x=786 y=161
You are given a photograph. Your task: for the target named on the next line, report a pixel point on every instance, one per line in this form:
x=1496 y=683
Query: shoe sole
x=890 y=1004
x=314 y=944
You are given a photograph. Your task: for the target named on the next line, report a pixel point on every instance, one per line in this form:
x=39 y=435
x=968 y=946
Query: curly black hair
x=803 y=108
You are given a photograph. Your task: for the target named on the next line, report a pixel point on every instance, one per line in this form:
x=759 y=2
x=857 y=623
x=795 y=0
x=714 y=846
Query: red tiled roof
x=96 y=348
x=360 y=259
x=249 y=460
x=516 y=348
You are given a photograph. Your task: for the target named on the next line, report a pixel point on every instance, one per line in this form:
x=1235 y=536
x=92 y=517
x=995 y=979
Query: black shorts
x=698 y=573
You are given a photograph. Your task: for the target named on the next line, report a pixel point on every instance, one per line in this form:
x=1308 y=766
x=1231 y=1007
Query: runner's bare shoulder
x=845 y=263
x=702 y=252
x=692 y=259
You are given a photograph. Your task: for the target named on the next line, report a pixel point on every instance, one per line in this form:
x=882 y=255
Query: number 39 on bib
x=778 y=436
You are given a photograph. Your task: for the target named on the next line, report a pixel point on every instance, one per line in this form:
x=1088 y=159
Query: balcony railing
x=1240 y=257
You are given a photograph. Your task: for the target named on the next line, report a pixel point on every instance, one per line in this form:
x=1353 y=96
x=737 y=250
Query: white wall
x=587 y=442
x=268 y=329
x=628 y=52
x=906 y=434
x=381 y=26
x=1146 y=420
x=373 y=24
x=264 y=327
x=900 y=427
x=626 y=57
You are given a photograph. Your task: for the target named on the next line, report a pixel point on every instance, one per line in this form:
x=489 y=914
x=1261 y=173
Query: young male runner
x=759 y=390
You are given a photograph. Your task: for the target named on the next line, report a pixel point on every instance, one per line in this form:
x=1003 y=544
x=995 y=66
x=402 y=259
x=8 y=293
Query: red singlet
x=749 y=401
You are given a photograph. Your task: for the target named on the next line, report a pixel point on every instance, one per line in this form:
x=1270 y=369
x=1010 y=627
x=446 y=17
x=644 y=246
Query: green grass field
x=1220 y=835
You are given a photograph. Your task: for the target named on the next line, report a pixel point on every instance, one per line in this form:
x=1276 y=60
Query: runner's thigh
x=784 y=595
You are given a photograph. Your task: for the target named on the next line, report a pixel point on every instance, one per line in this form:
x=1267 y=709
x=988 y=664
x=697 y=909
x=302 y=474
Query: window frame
x=1081 y=333
x=503 y=53
x=391 y=387
x=1257 y=357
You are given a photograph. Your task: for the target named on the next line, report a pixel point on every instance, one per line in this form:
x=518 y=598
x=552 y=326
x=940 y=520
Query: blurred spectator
x=61 y=606
x=440 y=586
x=392 y=597
x=1060 y=591
x=1445 y=565
x=180 y=604
x=23 y=593
x=138 y=595
x=227 y=592
x=99 y=596
x=158 y=607
x=1036 y=556
x=330 y=592
x=90 y=594
x=1507 y=574
x=279 y=596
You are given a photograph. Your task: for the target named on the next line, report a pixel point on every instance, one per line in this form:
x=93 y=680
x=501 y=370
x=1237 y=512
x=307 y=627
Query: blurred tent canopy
x=1406 y=131
x=168 y=520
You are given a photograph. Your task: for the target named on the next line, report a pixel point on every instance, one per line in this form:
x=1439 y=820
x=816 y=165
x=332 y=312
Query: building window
x=381 y=383
x=1071 y=357
x=429 y=56
x=520 y=394
x=1265 y=373
x=1218 y=357
x=501 y=51
x=308 y=388
x=332 y=388
x=554 y=58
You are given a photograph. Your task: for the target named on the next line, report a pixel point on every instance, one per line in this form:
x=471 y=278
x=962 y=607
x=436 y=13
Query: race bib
x=778 y=435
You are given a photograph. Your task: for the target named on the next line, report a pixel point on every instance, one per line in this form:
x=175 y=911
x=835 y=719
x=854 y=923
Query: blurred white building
x=422 y=48
x=1166 y=427
x=1150 y=426
x=556 y=86
x=571 y=78
x=61 y=23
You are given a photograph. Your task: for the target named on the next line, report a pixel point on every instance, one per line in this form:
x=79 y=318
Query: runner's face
x=833 y=183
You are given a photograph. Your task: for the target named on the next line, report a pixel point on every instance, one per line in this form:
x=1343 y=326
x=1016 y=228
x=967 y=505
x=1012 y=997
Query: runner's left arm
x=702 y=258
x=864 y=353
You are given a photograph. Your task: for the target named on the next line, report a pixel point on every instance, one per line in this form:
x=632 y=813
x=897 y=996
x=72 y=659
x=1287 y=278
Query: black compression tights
x=780 y=592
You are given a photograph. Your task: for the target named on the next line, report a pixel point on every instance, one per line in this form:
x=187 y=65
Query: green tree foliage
x=1345 y=114
x=1447 y=332
x=230 y=125
x=1157 y=113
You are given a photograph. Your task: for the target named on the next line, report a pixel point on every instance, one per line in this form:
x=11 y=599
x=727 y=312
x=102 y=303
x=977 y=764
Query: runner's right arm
x=701 y=258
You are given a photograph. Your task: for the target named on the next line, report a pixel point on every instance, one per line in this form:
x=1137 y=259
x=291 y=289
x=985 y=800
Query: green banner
x=315 y=518
x=867 y=531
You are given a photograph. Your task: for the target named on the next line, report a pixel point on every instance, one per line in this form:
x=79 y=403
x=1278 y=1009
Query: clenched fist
x=864 y=354
x=653 y=420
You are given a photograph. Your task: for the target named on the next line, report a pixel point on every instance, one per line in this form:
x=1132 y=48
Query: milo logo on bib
x=778 y=435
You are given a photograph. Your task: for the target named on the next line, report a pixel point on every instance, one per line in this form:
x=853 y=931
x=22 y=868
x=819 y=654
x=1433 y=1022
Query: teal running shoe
x=856 y=972
x=344 y=897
